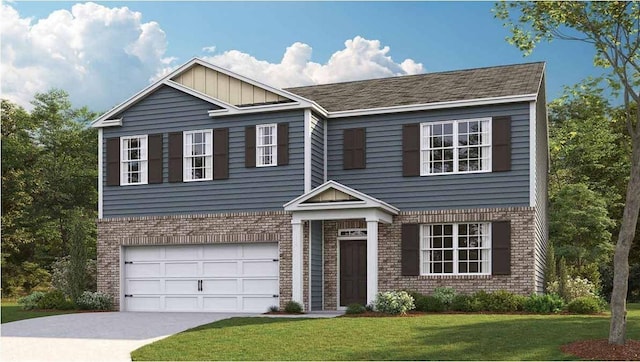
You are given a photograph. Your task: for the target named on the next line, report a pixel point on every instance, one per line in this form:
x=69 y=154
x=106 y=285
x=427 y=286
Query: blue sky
x=252 y=37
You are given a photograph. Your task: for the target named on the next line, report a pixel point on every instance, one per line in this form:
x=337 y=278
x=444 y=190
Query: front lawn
x=428 y=337
x=10 y=312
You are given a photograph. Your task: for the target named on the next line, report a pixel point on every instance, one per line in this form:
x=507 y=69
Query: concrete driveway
x=93 y=336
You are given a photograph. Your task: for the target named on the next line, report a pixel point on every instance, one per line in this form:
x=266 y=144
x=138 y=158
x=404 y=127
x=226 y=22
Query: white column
x=372 y=260
x=296 y=261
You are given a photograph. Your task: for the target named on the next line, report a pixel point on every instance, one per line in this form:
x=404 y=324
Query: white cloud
x=103 y=55
x=99 y=55
x=360 y=59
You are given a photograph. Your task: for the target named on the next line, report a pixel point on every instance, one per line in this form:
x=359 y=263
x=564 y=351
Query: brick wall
x=273 y=226
x=520 y=281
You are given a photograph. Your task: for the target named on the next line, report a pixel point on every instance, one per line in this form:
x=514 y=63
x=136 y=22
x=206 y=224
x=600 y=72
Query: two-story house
x=220 y=193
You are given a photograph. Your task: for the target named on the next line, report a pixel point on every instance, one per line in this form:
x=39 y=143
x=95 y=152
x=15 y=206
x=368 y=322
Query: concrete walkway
x=94 y=336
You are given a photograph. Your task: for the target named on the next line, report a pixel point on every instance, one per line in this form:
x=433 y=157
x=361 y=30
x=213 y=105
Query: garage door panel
x=260 y=286
x=141 y=270
x=259 y=251
x=221 y=286
x=222 y=251
x=222 y=304
x=180 y=304
x=142 y=253
x=181 y=286
x=182 y=252
x=260 y=268
x=142 y=303
x=143 y=287
x=258 y=304
x=181 y=269
x=220 y=269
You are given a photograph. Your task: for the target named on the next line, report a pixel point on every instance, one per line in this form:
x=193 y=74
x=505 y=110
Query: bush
x=586 y=305
x=573 y=288
x=394 y=302
x=429 y=303
x=60 y=275
x=30 y=301
x=466 y=303
x=55 y=300
x=356 y=308
x=293 y=307
x=94 y=301
x=482 y=300
x=503 y=301
x=544 y=303
x=445 y=295
x=273 y=308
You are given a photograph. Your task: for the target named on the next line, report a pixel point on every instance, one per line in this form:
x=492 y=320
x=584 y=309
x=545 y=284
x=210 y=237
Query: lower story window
x=455 y=249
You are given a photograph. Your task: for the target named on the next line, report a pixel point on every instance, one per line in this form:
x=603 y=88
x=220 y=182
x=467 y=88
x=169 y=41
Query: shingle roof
x=500 y=81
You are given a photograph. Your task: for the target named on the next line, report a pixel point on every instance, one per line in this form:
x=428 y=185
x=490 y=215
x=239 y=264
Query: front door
x=353 y=272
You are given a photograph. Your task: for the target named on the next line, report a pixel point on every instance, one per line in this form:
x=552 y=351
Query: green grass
x=11 y=312
x=428 y=337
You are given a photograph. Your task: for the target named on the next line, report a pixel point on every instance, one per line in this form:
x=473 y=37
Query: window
x=462 y=146
x=133 y=160
x=455 y=249
x=266 y=145
x=198 y=155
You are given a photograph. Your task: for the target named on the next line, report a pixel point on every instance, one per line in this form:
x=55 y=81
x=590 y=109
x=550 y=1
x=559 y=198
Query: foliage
x=573 y=287
x=55 y=299
x=502 y=301
x=78 y=237
x=60 y=270
x=550 y=266
x=544 y=303
x=394 y=302
x=293 y=307
x=30 y=301
x=445 y=295
x=23 y=278
x=94 y=301
x=586 y=305
x=356 y=308
x=274 y=308
x=429 y=303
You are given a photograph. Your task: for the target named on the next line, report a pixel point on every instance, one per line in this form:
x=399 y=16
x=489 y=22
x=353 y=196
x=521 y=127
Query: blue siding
x=316 y=265
x=247 y=189
x=317 y=151
x=541 y=196
x=383 y=178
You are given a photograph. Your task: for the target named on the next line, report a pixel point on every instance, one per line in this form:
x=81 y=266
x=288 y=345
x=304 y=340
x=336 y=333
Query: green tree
x=612 y=28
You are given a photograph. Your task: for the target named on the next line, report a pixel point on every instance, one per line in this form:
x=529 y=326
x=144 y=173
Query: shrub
x=503 y=301
x=445 y=295
x=394 y=302
x=60 y=275
x=481 y=300
x=369 y=307
x=544 y=303
x=30 y=301
x=273 y=308
x=586 y=305
x=356 y=308
x=94 y=301
x=293 y=307
x=55 y=300
x=573 y=288
x=429 y=303
x=466 y=303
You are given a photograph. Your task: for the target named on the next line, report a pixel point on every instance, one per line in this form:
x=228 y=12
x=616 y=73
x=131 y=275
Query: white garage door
x=194 y=278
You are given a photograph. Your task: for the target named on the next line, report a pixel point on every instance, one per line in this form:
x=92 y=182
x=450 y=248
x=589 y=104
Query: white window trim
x=274 y=145
x=455 y=249
x=144 y=161
x=455 y=122
x=186 y=176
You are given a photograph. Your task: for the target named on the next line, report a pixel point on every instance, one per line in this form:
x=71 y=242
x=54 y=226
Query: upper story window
x=455 y=249
x=133 y=160
x=461 y=146
x=198 y=155
x=266 y=145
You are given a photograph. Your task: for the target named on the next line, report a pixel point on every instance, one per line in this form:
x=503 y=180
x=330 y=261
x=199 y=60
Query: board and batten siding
x=247 y=189
x=383 y=178
x=541 y=187
x=317 y=151
x=316 y=265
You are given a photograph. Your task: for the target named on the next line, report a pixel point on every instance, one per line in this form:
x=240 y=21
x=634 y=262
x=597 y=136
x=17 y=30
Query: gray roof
x=500 y=81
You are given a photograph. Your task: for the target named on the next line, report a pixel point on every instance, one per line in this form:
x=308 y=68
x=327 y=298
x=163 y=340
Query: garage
x=201 y=278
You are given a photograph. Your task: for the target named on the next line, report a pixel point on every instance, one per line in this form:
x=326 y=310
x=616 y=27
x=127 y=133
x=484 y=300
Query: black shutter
x=113 y=161
x=250 y=146
x=410 y=249
x=221 y=154
x=501 y=140
x=501 y=248
x=283 y=144
x=354 y=148
x=411 y=150
x=175 y=157
x=155 y=158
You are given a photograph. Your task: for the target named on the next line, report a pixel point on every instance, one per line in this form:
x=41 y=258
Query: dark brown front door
x=353 y=272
